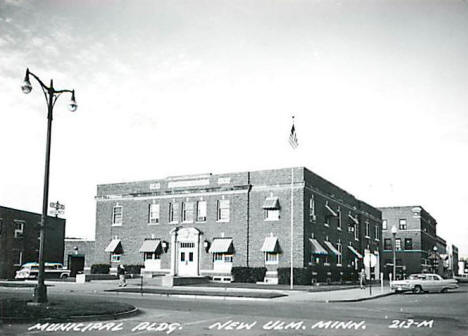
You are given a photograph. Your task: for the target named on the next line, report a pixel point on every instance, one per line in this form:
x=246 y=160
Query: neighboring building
x=19 y=239
x=415 y=240
x=78 y=255
x=206 y=224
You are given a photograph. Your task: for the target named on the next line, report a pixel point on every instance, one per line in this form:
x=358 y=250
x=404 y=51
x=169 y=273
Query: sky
x=378 y=90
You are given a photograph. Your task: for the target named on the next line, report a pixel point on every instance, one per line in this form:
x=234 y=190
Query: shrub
x=133 y=269
x=100 y=269
x=248 y=274
x=302 y=276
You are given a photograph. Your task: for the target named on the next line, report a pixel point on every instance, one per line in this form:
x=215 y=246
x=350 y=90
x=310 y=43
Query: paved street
x=406 y=314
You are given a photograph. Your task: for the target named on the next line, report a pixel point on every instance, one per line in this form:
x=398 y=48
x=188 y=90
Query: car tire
x=63 y=276
x=444 y=290
x=417 y=290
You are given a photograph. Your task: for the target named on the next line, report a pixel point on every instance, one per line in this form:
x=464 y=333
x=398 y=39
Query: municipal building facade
x=203 y=225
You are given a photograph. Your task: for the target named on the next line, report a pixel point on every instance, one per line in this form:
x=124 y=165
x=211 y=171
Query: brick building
x=415 y=240
x=78 y=255
x=206 y=224
x=19 y=239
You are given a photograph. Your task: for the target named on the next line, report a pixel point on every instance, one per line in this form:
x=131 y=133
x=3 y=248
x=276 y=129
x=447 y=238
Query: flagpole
x=294 y=143
x=292 y=229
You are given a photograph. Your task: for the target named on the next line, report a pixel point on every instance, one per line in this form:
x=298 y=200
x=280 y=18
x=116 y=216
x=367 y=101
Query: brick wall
x=247 y=225
x=28 y=243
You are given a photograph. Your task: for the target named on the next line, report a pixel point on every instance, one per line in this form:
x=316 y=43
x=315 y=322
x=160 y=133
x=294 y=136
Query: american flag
x=293 y=138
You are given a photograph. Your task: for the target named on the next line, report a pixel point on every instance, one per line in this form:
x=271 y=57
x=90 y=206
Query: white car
x=419 y=283
x=51 y=270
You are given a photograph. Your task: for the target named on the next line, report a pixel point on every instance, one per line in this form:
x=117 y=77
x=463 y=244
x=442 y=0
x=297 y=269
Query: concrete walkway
x=345 y=295
x=302 y=294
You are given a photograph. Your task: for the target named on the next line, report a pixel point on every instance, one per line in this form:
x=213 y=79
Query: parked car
x=419 y=283
x=51 y=270
x=461 y=278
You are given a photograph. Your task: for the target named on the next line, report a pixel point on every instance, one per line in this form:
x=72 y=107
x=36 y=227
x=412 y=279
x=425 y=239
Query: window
x=367 y=229
x=153 y=214
x=201 y=211
x=151 y=256
x=222 y=257
x=19 y=228
x=272 y=214
x=271 y=258
x=312 y=208
x=223 y=211
x=1 y=225
x=117 y=215
x=384 y=224
x=356 y=232
x=188 y=211
x=402 y=225
x=339 y=247
x=17 y=258
x=376 y=232
x=387 y=244
x=408 y=243
x=398 y=244
x=327 y=221
x=314 y=260
x=115 y=257
x=338 y=225
x=173 y=212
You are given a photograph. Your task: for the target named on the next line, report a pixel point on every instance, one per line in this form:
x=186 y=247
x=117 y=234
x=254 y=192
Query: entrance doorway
x=186 y=253
x=187 y=262
x=76 y=263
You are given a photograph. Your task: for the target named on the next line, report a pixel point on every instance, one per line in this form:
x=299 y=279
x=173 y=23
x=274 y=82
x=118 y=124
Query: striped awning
x=114 y=246
x=332 y=248
x=271 y=203
x=151 y=246
x=317 y=248
x=222 y=245
x=356 y=253
x=332 y=212
x=270 y=244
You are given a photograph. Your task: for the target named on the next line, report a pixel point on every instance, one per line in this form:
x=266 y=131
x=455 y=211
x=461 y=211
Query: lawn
x=16 y=309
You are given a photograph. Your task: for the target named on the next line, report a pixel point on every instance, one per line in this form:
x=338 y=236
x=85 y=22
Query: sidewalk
x=346 y=295
x=281 y=293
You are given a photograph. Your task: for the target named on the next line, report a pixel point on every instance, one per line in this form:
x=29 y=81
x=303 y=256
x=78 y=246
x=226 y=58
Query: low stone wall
x=82 y=278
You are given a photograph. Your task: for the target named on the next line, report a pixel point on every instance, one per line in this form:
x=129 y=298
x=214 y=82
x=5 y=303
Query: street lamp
x=394 y=232
x=435 y=259
x=51 y=96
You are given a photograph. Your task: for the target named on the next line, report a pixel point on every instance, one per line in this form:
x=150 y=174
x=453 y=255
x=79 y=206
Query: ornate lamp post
x=394 y=232
x=435 y=260
x=51 y=96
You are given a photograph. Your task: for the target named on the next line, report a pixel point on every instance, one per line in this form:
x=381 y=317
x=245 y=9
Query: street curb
x=189 y=293
x=361 y=299
x=78 y=318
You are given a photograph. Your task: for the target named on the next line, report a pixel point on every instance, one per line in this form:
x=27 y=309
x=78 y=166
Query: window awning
x=151 y=246
x=270 y=245
x=332 y=212
x=317 y=248
x=332 y=248
x=222 y=245
x=271 y=203
x=115 y=246
x=354 y=219
x=356 y=253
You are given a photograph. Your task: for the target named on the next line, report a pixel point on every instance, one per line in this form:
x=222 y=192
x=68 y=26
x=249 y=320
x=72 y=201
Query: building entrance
x=187 y=263
x=187 y=252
